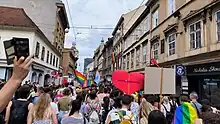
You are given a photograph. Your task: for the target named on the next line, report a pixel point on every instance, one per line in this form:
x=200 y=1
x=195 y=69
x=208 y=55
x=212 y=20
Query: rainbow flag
x=88 y=83
x=185 y=114
x=79 y=77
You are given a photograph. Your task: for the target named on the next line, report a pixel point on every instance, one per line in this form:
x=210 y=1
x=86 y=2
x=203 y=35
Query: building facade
x=89 y=71
x=87 y=61
x=124 y=24
x=69 y=59
x=107 y=62
x=179 y=33
x=49 y=15
x=16 y=23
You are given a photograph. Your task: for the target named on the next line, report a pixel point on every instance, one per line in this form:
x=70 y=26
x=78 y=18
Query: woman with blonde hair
x=42 y=112
x=144 y=111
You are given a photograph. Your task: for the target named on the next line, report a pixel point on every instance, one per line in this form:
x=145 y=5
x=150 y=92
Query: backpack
x=169 y=115
x=173 y=107
x=94 y=116
x=123 y=120
x=19 y=112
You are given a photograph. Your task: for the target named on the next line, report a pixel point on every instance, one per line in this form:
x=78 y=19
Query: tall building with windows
x=16 y=23
x=182 y=34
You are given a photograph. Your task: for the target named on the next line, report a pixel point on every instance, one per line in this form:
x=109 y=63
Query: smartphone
x=16 y=47
x=21 y=46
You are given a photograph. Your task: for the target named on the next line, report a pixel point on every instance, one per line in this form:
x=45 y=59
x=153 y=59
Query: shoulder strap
x=84 y=120
x=165 y=108
x=196 y=108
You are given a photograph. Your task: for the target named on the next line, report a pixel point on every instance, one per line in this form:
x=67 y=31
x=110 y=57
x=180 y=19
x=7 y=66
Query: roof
x=131 y=17
x=15 y=17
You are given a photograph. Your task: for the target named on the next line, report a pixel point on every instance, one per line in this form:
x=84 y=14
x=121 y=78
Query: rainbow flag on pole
x=88 y=83
x=185 y=114
x=79 y=77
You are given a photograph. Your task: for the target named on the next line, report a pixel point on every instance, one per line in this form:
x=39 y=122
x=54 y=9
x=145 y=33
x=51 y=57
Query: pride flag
x=185 y=114
x=80 y=78
x=88 y=83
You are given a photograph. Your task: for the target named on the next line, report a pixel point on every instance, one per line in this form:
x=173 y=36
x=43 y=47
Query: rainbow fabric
x=88 y=83
x=185 y=114
x=80 y=77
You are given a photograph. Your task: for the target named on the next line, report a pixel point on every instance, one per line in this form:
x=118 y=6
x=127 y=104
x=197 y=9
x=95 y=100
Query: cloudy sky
x=95 y=13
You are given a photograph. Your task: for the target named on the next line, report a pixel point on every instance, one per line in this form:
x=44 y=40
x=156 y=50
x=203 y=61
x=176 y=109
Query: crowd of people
x=66 y=104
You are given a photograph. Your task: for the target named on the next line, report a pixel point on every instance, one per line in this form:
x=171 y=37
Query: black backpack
x=173 y=107
x=19 y=112
x=169 y=115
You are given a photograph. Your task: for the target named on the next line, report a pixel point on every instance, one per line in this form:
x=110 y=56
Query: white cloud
x=101 y=13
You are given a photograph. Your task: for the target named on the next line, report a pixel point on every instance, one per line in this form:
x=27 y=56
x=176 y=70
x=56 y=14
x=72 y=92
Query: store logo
x=180 y=70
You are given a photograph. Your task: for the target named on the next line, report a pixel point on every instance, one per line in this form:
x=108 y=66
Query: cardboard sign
x=152 y=81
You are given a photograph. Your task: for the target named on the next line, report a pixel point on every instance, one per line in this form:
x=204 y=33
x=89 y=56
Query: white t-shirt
x=55 y=107
x=168 y=108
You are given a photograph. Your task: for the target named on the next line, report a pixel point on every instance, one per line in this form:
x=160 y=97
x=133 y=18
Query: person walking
x=194 y=97
x=156 y=117
x=64 y=104
x=42 y=112
x=75 y=117
x=17 y=110
x=123 y=115
x=144 y=111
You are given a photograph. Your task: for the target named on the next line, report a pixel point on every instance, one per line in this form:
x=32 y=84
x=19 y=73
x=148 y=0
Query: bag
x=173 y=107
x=123 y=120
x=94 y=116
x=197 y=110
x=169 y=115
x=19 y=112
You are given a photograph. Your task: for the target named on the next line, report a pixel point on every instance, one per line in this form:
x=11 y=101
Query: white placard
x=152 y=81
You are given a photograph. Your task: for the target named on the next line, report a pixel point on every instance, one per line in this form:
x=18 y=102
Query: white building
x=42 y=12
x=14 y=22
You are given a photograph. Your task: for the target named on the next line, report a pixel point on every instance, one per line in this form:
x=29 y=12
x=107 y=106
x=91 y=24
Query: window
x=155 y=50
x=48 y=54
x=53 y=60
x=137 y=56
x=145 y=53
x=155 y=18
x=51 y=57
x=218 y=25
x=171 y=44
x=132 y=59
x=162 y=47
x=57 y=62
x=195 y=35
x=171 y=6
x=37 y=50
x=124 y=62
x=43 y=53
x=128 y=59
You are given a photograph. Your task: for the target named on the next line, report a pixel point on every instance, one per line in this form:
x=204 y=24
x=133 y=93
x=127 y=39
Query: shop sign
x=204 y=68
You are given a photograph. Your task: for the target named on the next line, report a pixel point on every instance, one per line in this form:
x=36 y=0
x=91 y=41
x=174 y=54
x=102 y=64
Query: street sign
x=180 y=70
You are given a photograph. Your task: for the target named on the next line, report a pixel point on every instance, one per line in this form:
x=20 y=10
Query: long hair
x=145 y=109
x=76 y=105
x=106 y=101
x=42 y=104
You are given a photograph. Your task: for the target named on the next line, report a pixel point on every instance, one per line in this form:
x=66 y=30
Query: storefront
x=205 y=80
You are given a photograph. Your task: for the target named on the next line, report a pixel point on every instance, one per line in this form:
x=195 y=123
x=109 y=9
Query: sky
x=95 y=13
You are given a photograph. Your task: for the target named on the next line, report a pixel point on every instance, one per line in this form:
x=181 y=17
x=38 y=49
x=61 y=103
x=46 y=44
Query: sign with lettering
x=204 y=68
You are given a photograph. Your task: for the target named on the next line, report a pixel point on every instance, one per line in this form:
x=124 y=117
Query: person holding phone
x=20 y=71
